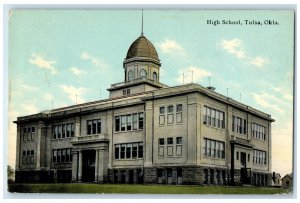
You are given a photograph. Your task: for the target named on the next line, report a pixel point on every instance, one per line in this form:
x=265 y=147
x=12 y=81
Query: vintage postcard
x=151 y=101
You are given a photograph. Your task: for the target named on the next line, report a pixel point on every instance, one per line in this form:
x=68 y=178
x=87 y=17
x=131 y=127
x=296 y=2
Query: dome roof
x=142 y=47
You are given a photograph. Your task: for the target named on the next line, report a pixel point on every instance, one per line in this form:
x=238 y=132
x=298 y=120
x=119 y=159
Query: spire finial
x=142 y=22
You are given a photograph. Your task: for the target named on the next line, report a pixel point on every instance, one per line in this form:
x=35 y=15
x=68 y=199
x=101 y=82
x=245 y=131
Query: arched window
x=143 y=73
x=130 y=75
x=155 y=76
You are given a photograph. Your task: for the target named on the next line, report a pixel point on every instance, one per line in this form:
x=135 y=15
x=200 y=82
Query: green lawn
x=140 y=189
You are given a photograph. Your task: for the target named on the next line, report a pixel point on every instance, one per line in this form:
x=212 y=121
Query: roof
x=142 y=47
x=287 y=176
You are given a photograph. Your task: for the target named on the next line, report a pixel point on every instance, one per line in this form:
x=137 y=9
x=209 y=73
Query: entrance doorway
x=88 y=165
x=243 y=160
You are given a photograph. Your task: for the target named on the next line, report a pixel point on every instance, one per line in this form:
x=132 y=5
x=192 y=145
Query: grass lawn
x=139 y=189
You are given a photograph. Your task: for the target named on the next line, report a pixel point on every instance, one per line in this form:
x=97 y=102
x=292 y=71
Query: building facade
x=147 y=132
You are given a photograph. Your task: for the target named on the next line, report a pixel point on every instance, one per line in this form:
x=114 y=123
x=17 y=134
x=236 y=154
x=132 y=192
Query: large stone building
x=147 y=132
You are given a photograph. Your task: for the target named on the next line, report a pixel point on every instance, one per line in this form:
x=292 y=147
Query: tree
x=10 y=174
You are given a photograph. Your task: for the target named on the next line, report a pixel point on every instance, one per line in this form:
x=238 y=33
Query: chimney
x=211 y=88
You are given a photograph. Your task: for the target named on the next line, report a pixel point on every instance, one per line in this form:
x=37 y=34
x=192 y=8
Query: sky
x=55 y=55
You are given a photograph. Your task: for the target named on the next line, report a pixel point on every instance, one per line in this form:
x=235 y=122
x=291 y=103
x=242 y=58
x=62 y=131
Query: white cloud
x=25 y=87
x=96 y=61
x=192 y=74
x=268 y=101
x=169 y=46
x=259 y=61
x=234 y=47
x=42 y=63
x=77 y=71
x=284 y=92
x=73 y=91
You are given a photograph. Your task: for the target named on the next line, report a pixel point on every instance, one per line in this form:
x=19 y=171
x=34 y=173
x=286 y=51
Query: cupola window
x=155 y=76
x=130 y=75
x=143 y=73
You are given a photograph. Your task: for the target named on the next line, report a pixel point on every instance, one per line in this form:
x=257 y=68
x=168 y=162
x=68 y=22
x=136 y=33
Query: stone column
x=96 y=165
x=38 y=145
x=74 y=166
x=77 y=126
x=80 y=166
x=103 y=163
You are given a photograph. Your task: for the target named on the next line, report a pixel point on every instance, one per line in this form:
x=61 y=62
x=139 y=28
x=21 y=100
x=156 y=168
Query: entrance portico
x=90 y=159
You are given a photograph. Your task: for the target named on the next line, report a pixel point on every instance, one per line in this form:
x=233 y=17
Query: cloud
x=234 y=47
x=29 y=108
x=284 y=92
x=170 y=46
x=96 y=61
x=192 y=74
x=268 y=101
x=72 y=92
x=259 y=61
x=42 y=63
x=26 y=88
x=77 y=71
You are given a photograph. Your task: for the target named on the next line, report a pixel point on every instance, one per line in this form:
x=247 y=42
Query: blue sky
x=56 y=55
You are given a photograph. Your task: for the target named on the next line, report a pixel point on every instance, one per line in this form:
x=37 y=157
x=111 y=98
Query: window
x=239 y=125
x=170 y=109
x=62 y=155
x=143 y=73
x=178 y=140
x=179 y=108
x=161 y=115
x=214 y=148
x=141 y=150
x=259 y=157
x=213 y=117
x=129 y=122
x=129 y=151
x=162 y=110
x=178 y=146
x=154 y=76
x=130 y=75
x=128 y=91
x=72 y=129
x=117 y=151
x=237 y=155
x=248 y=157
x=68 y=130
x=123 y=148
x=63 y=130
x=117 y=123
x=23 y=157
x=134 y=121
x=124 y=92
x=161 y=141
x=170 y=140
x=179 y=113
x=123 y=123
x=258 y=131
x=141 y=120
x=94 y=126
x=134 y=150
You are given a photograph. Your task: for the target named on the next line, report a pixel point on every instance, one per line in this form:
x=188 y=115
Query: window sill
x=137 y=159
x=128 y=131
x=210 y=126
x=58 y=139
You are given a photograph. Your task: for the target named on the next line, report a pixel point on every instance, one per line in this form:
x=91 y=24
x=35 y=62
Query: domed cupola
x=142 y=61
x=142 y=47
